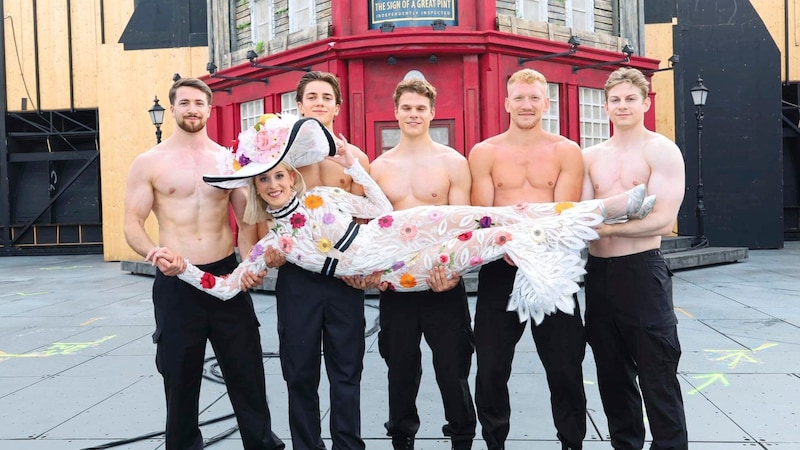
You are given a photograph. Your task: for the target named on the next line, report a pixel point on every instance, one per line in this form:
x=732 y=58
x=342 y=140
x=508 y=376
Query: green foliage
x=259 y=47
x=242 y=26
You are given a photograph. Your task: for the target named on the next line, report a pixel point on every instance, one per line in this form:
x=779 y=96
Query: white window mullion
x=533 y=10
x=551 y=117
x=250 y=112
x=595 y=127
x=289 y=103
x=302 y=14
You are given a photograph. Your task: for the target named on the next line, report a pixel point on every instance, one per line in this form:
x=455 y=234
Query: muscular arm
x=667 y=182
x=248 y=233
x=587 y=192
x=570 y=178
x=480 y=166
x=139 y=199
x=461 y=183
x=246 y=238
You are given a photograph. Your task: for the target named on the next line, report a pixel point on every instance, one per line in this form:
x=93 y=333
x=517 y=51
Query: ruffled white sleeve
x=374 y=203
x=227 y=287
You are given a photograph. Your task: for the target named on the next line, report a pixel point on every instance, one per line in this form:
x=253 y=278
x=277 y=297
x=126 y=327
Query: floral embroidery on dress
x=435 y=215
x=313 y=201
x=298 y=220
x=207 y=280
x=465 y=236
x=562 y=206
x=485 y=222
x=286 y=245
x=538 y=234
x=475 y=261
x=408 y=232
x=408 y=280
x=324 y=245
x=328 y=218
x=385 y=221
x=502 y=238
x=443 y=259
x=256 y=252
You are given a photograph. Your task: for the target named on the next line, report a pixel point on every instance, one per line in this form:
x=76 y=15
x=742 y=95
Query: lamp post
x=157 y=117
x=699 y=96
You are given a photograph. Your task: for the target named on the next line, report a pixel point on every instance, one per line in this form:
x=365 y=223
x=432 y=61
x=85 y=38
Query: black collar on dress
x=290 y=207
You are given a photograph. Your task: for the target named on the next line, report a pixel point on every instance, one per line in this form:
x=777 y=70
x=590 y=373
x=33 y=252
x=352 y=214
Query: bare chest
x=611 y=175
x=326 y=173
x=521 y=172
x=407 y=187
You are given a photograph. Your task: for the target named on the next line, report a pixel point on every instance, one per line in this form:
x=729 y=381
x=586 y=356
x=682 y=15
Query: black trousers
x=631 y=326
x=315 y=314
x=561 y=345
x=185 y=319
x=444 y=319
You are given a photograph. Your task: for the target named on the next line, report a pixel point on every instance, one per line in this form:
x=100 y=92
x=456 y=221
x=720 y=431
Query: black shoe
x=403 y=442
x=565 y=446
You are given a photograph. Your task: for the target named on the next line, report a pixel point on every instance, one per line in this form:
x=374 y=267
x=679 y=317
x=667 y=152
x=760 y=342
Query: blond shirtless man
x=193 y=225
x=525 y=164
x=630 y=322
x=419 y=171
x=314 y=309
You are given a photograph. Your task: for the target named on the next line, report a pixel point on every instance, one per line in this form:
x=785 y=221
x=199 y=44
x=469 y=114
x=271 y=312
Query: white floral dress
x=317 y=233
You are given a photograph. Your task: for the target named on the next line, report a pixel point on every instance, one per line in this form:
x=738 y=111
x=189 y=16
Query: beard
x=528 y=124
x=191 y=127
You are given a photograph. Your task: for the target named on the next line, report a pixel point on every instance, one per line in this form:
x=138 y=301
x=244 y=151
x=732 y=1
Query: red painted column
x=473 y=112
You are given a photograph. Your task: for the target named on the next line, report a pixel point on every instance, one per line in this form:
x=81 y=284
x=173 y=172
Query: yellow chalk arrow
x=710 y=378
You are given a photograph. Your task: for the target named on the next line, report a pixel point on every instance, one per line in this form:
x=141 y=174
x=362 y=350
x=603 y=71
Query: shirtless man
x=319 y=313
x=525 y=164
x=630 y=322
x=193 y=225
x=419 y=171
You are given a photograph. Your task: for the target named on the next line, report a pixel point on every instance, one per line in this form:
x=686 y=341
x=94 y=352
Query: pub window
x=250 y=112
x=302 y=14
x=550 y=118
x=580 y=14
x=594 y=121
x=263 y=14
x=533 y=10
x=289 y=104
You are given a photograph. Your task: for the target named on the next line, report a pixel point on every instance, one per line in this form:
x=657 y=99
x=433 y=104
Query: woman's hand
x=344 y=156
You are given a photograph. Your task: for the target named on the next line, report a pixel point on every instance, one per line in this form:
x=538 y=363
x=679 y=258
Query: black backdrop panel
x=742 y=145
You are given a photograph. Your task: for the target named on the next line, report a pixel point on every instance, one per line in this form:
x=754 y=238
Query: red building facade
x=469 y=63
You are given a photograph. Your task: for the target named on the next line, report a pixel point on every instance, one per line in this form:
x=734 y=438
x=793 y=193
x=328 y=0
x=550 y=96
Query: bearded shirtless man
x=193 y=225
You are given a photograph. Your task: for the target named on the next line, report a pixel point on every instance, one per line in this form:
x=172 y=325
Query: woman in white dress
x=315 y=230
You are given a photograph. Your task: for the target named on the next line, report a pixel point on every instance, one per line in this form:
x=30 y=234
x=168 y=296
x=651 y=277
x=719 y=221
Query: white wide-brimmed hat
x=274 y=138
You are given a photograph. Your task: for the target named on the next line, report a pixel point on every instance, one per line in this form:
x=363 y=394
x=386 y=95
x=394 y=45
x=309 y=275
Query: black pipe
x=5 y=201
x=36 y=60
x=102 y=22
x=69 y=47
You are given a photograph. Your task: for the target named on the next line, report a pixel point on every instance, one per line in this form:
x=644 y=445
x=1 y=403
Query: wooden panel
x=659 y=38
x=20 y=72
x=51 y=20
x=85 y=41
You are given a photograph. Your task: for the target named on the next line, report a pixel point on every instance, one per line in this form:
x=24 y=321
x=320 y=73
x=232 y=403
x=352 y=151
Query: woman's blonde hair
x=256 y=209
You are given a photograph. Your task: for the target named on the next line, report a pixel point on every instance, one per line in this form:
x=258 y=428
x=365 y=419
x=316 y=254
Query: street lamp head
x=628 y=50
x=156 y=113
x=699 y=93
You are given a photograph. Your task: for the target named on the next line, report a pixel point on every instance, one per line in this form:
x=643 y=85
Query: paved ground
x=77 y=362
